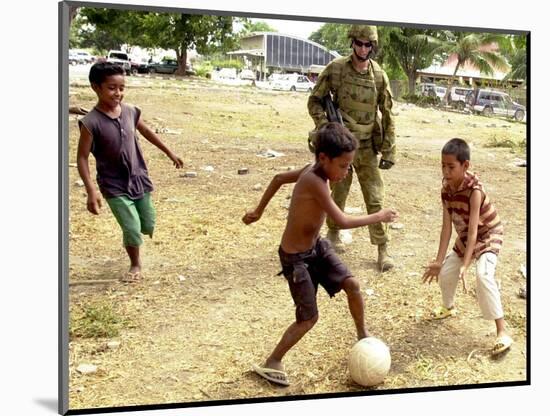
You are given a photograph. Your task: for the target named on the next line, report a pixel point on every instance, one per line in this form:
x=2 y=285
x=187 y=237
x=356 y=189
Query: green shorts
x=135 y=217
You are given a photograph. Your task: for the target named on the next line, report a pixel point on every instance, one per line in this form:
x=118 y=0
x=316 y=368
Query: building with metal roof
x=269 y=52
x=467 y=74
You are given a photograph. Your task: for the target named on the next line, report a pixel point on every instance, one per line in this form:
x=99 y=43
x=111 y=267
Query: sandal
x=271 y=374
x=130 y=277
x=502 y=343
x=441 y=312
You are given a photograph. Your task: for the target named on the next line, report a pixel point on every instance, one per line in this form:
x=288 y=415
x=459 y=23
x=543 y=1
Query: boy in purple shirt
x=109 y=133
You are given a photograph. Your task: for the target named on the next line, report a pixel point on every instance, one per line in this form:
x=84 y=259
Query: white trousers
x=488 y=294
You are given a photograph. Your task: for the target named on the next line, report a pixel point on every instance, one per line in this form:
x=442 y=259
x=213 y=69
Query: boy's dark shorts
x=306 y=271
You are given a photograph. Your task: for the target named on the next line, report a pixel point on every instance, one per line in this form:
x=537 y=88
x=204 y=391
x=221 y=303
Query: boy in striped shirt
x=479 y=237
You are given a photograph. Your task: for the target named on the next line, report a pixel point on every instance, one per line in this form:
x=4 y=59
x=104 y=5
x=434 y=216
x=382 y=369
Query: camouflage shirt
x=359 y=96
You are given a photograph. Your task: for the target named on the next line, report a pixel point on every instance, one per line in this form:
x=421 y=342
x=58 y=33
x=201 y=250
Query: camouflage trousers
x=365 y=166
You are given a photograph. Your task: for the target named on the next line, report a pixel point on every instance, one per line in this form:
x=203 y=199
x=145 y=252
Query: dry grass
x=211 y=304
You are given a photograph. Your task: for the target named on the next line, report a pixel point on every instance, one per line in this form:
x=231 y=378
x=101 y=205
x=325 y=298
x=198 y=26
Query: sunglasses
x=360 y=44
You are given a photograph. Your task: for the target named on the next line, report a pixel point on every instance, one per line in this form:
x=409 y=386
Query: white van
x=227 y=73
x=457 y=96
x=293 y=82
x=121 y=58
x=432 y=90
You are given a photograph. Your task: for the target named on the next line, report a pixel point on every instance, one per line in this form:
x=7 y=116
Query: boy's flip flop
x=502 y=344
x=441 y=312
x=270 y=374
x=130 y=277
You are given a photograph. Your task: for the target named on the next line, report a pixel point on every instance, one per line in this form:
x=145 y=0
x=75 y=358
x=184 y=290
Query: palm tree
x=518 y=62
x=475 y=49
x=411 y=49
x=517 y=57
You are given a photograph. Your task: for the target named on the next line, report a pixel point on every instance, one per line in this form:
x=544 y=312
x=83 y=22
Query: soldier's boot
x=385 y=262
x=334 y=237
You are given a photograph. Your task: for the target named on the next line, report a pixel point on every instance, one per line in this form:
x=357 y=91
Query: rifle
x=331 y=109
x=333 y=114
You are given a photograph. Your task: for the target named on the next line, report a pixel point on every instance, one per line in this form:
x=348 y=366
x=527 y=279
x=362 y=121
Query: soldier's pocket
x=364 y=90
x=377 y=135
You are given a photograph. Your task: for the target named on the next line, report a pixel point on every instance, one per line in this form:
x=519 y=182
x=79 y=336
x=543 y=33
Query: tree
x=517 y=58
x=180 y=32
x=333 y=36
x=411 y=49
x=174 y=31
x=258 y=26
x=106 y=29
x=473 y=48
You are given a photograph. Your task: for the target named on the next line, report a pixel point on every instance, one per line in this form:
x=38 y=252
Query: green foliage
x=333 y=36
x=409 y=49
x=473 y=48
x=517 y=58
x=180 y=32
x=96 y=321
x=106 y=29
x=227 y=63
x=203 y=70
x=111 y=28
x=257 y=26
x=394 y=72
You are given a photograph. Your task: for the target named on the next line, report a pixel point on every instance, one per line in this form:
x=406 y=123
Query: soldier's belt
x=356 y=127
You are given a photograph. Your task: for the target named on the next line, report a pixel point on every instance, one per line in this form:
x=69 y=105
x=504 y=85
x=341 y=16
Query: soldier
x=359 y=88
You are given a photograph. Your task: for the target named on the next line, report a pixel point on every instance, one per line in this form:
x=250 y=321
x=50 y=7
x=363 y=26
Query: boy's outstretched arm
x=84 y=147
x=433 y=268
x=152 y=137
x=278 y=180
x=342 y=220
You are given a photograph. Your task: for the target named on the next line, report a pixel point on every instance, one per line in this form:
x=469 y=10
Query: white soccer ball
x=369 y=361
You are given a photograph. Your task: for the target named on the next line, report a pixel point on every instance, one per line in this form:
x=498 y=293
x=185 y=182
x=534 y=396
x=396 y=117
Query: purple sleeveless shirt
x=121 y=169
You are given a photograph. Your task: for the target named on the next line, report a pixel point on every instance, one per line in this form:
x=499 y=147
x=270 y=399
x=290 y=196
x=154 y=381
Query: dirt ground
x=211 y=304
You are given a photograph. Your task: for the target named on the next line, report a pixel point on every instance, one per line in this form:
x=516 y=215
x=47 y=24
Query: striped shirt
x=489 y=229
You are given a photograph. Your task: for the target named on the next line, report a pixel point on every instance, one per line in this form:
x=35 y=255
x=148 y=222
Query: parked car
x=168 y=66
x=74 y=59
x=247 y=74
x=489 y=102
x=432 y=90
x=226 y=73
x=121 y=58
x=293 y=82
x=86 y=57
x=139 y=66
x=275 y=77
x=457 y=96
x=78 y=56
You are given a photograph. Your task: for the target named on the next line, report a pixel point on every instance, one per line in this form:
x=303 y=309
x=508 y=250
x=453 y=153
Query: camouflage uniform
x=359 y=96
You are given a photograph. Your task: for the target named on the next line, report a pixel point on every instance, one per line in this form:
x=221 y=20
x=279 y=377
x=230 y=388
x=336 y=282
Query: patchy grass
x=98 y=320
x=505 y=140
